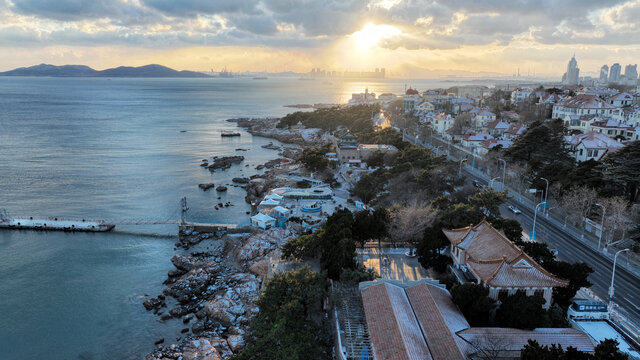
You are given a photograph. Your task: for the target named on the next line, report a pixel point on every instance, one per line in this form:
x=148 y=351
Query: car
x=514 y=209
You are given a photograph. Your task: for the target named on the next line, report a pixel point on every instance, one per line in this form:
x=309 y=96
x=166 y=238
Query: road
x=571 y=248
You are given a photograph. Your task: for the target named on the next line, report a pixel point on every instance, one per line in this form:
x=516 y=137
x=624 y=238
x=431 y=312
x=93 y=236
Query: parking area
x=393 y=264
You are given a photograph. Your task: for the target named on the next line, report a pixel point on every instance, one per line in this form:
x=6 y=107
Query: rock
x=185 y=330
x=262 y=243
x=221 y=188
x=175 y=272
x=225 y=162
x=165 y=317
x=240 y=180
x=200 y=349
x=236 y=342
x=152 y=303
x=241 y=149
x=260 y=268
x=224 y=310
x=159 y=341
x=271 y=146
x=184 y=263
x=206 y=186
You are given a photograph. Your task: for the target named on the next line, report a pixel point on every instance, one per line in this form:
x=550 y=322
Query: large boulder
x=262 y=243
x=236 y=342
x=200 y=349
x=224 y=309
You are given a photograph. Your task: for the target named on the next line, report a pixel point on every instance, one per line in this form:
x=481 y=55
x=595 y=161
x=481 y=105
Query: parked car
x=514 y=209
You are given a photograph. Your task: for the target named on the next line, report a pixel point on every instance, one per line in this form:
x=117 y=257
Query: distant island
x=147 y=71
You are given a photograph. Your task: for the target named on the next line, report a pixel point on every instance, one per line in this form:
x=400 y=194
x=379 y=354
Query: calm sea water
x=113 y=149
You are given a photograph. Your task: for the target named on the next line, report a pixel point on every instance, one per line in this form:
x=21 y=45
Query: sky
x=419 y=38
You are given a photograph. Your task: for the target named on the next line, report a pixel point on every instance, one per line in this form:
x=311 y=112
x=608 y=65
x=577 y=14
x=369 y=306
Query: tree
x=303 y=247
x=287 y=325
x=540 y=253
x=533 y=351
x=577 y=274
x=488 y=201
x=542 y=144
x=474 y=302
x=577 y=203
x=623 y=167
x=608 y=349
x=462 y=122
x=617 y=217
x=511 y=228
x=371 y=225
x=314 y=159
x=338 y=249
x=409 y=222
x=521 y=311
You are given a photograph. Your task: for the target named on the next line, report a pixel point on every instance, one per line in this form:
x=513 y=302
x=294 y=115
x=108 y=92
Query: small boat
x=260 y=78
x=229 y=133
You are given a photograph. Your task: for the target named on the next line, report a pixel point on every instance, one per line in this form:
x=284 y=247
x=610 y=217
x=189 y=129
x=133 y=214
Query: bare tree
x=487 y=347
x=409 y=222
x=461 y=122
x=577 y=203
x=617 y=216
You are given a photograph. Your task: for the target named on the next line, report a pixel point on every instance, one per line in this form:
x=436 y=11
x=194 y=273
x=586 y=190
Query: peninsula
x=146 y=71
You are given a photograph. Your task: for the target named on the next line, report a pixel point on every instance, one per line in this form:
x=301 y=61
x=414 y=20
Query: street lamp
x=504 y=171
x=601 y=224
x=491 y=182
x=613 y=274
x=438 y=150
x=460 y=168
x=546 y=204
x=535 y=215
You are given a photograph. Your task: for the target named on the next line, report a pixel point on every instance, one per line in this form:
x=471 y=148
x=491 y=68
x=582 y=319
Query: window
x=580 y=152
x=595 y=153
x=589 y=153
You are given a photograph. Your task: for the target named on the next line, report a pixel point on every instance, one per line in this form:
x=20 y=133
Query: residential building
x=471 y=91
x=572 y=75
x=489 y=144
x=497 y=128
x=442 y=122
x=514 y=131
x=604 y=74
x=621 y=99
x=483 y=117
x=631 y=74
x=348 y=150
x=417 y=320
x=583 y=105
x=613 y=129
x=519 y=95
x=425 y=106
x=473 y=140
x=591 y=146
x=498 y=263
x=263 y=221
x=614 y=74
x=410 y=99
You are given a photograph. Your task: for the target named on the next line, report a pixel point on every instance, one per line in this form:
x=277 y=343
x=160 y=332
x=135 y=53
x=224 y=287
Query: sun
x=371 y=34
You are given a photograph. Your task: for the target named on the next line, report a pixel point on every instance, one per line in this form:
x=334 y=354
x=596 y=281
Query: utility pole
x=460 y=168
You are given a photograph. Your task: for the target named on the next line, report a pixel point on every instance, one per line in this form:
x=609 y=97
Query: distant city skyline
x=427 y=38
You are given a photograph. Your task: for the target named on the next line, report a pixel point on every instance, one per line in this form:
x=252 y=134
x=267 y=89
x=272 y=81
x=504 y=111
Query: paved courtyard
x=393 y=264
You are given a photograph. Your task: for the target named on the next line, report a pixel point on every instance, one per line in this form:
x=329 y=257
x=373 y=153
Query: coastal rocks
x=192 y=285
x=221 y=188
x=201 y=349
x=184 y=263
x=224 y=310
x=258 y=187
x=206 y=186
x=236 y=342
x=262 y=243
x=225 y=162
x=271 y=146
x=152 y=303
x=240 y=180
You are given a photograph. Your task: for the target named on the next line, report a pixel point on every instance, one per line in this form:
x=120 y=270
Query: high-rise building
x=631 y=74
x=604 y=73
x=614 y=74
x=573 y=72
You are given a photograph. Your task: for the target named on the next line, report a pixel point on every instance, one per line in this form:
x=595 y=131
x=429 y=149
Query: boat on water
x=260 y=78
x=52 y=224
x=225 y=133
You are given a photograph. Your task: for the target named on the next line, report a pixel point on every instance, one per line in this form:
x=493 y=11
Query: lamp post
x=613 y=274
x=491 y=182
x=460 y=168
x=438 y=150
x=546 y=204
x=535 y=215
x=504 y=171
x=601 y=224
x=448 y=147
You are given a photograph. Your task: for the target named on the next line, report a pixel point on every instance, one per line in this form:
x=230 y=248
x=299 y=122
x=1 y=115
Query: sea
x=125 y=150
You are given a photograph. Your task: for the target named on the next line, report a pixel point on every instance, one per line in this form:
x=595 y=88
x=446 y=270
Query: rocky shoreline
x=266 y=127
x=214 y=292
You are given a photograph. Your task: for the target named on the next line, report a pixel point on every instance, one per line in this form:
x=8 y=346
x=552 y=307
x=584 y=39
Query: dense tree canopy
x=289 y=323
x=356 y=118
x=623 y=167
x=474 y=302
x=606 y=350
x=541 y=145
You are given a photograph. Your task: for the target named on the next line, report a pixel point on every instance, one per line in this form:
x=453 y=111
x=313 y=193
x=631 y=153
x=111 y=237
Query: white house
x=497 y=128
x=425 y=106
x=473 y=140
x=442 y=122
x=621 y=99
x=262 y=221
x=612 y=129
x=483 y=117
x=519 y=95
x=584 y=105
x=514 y=131
x=489 y=144
x=590 y=146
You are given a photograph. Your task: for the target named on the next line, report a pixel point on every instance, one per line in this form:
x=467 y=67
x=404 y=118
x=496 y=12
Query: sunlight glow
x=371 y=34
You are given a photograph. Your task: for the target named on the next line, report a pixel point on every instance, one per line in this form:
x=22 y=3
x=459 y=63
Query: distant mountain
x=147 y=71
